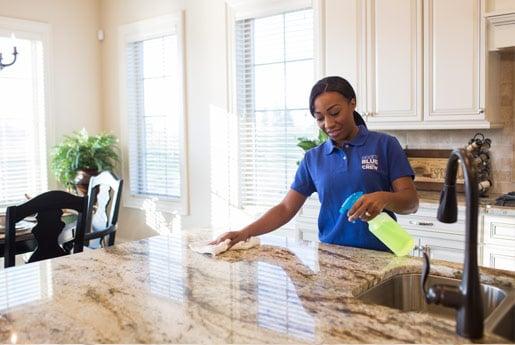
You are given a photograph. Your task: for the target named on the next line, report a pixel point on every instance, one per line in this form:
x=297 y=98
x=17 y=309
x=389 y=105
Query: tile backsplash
x=503 y=140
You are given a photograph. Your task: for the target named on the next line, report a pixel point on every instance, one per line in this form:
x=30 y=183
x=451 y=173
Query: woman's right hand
x=234 y=236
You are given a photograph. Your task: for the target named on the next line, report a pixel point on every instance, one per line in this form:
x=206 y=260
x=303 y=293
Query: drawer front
x=310 y=236
x=499 y=257
x=454 y=242
x=425 y=220
x=449 y=254
x=499 y=230
x=430 y=225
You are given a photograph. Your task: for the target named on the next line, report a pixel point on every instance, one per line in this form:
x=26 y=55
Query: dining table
x=158 y=290
x=24 y=239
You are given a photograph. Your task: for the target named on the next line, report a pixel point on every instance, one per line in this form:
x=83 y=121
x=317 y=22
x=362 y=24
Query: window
x=274 y=75
x=25 y=284
x=23 y=160
x=154 y=110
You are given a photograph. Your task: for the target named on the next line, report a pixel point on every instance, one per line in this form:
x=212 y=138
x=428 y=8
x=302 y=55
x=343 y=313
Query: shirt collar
x=358 y=140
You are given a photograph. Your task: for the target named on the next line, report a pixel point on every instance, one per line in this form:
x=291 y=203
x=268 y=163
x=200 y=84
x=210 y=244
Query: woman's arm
x=403 y=200
x=274 y=218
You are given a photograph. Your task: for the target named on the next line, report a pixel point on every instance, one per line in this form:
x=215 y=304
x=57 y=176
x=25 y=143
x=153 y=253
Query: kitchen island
x=158 y=291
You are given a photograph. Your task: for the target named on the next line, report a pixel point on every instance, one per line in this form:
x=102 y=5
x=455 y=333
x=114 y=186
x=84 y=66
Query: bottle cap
x=349 y=202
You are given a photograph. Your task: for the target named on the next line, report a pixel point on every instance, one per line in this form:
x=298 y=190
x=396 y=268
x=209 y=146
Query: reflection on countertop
x=158 y=291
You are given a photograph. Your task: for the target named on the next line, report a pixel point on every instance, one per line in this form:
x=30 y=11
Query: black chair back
x=48 y=208
x=104 y=195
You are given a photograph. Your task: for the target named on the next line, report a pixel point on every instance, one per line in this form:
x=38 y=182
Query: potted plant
x=80 y=156
x=307 y=144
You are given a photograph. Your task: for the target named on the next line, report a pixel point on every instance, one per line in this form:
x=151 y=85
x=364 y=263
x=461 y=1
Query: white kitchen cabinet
x=500 y=16
x=452 y=34
x=393 y=61
x=415 y=64
x=499 y=257
x=306 y=221
x=499 y=242
x=444 y=241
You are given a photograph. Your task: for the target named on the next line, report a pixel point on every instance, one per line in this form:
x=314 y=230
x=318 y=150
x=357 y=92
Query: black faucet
x=467 y=298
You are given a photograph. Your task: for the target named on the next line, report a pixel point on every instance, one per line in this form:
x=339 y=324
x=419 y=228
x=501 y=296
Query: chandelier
x=15 y=53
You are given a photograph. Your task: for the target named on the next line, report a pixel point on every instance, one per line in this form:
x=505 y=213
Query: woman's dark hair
x=334 y=84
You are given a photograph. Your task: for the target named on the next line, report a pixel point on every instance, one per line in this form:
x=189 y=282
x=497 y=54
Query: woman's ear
x=352 y=103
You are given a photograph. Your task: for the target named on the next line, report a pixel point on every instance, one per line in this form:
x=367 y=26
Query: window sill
x=143 y=202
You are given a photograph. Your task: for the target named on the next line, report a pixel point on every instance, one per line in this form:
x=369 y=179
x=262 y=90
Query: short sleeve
x=398 y=164
x=303 y=182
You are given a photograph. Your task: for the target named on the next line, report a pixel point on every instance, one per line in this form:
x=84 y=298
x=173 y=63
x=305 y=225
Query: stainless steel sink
x=502 y=321
x=403 y=292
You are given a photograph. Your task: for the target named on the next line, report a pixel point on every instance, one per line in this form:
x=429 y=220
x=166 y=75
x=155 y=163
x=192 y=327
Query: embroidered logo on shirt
x=369 y=162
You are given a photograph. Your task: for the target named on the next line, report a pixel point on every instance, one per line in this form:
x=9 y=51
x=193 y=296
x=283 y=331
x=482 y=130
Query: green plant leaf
x=81 y=151
x=322 y=136
x=306 y=144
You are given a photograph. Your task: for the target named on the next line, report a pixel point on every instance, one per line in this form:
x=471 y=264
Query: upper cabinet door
x=393 y=60
x=452 y=50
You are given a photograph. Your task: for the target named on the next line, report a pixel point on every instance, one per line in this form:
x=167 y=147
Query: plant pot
x=81 y=180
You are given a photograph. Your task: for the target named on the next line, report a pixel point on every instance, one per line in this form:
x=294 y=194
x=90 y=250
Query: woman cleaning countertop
x=353 y=159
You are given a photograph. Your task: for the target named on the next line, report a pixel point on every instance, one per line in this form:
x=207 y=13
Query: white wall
x=206 y=85
x=75 y=64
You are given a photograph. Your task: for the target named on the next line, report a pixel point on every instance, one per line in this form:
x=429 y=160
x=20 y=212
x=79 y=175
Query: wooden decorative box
x=429 y=167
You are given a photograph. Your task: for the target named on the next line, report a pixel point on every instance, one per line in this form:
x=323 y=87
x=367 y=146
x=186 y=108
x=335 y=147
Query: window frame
x=245 y=9
x=171 y=24
x=34 y=30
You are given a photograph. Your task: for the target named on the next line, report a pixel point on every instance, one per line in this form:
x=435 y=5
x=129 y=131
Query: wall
x=503 y=140
x=75 y=89
x=206 y=75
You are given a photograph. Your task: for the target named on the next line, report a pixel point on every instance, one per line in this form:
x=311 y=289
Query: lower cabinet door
x=306 y=221
x=499 y=257
x=445 y=253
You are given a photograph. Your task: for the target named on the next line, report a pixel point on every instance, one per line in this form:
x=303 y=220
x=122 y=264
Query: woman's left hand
x=368 y=206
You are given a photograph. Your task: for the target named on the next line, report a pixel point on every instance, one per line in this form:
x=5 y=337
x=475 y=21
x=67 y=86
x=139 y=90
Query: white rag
x=203 y=247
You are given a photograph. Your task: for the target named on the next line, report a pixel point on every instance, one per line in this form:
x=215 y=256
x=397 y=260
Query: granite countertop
x=485 y=203
x=158 y=291
x=434 y=197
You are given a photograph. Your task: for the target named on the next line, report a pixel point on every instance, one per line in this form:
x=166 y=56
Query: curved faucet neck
x=469 y=320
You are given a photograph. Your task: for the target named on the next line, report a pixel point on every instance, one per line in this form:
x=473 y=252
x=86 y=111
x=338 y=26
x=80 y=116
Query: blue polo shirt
x=370 y=162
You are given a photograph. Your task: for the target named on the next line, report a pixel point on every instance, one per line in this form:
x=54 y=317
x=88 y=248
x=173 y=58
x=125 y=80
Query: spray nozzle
x=349 y=202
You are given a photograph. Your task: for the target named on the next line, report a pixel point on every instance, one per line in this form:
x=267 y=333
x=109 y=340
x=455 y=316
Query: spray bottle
x=387 y=230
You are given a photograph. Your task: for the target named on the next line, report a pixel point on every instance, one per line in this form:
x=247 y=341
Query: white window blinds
x=23 y=166
x=154 y=116
x=275 y=73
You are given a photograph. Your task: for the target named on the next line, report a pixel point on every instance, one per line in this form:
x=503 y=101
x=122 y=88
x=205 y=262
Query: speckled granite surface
x=158 y=291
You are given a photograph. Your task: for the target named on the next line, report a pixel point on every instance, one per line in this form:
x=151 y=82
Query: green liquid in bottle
x=391 y=234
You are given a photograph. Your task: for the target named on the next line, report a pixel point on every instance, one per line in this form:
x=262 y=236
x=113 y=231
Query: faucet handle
x=447 y=295
x=425 y=272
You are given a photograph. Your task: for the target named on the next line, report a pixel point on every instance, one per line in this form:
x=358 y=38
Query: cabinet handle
x=481 y=111
x=416 y=222
x=427 y=249
x=423 y=249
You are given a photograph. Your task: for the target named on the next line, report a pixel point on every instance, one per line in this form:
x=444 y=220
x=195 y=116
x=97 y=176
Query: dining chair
x=104 y=194
x=48 y=208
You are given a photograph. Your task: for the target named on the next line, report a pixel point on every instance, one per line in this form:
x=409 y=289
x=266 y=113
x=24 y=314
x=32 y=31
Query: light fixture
x=15 y=53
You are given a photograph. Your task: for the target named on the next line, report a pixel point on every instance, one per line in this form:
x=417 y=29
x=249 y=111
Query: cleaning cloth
x=203 y=247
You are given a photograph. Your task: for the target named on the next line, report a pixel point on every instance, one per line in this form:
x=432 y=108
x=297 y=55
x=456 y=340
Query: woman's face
x=334 y=115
